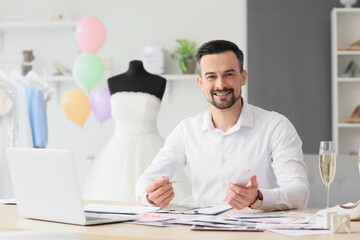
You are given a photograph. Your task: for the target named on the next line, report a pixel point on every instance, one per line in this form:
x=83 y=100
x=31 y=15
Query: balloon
x=76 y=106
x=88 y=70
x=90 y=34
x=100 y=105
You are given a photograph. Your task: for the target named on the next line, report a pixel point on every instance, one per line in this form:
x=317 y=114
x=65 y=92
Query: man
x=232 y=137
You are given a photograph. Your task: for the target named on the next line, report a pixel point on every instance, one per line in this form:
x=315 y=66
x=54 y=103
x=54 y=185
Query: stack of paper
x=286 y=223
x=202 y=218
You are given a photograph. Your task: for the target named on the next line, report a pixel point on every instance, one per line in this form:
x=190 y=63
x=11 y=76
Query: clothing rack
x=18 y=63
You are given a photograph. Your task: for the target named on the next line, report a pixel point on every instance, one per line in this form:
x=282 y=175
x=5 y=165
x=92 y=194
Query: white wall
x=130 y=25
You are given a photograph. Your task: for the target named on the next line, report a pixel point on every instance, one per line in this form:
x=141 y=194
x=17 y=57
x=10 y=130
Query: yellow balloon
x=76 y=106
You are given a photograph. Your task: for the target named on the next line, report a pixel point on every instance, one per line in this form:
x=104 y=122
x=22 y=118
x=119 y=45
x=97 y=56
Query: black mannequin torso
x=137 y=79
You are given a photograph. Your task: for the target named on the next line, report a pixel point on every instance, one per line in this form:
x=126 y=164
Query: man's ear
x=200 y=82
x=244 y=77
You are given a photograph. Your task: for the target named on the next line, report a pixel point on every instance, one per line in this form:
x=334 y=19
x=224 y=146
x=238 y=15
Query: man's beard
x=227 y=103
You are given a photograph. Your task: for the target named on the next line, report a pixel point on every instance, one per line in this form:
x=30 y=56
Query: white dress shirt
x=263 y=141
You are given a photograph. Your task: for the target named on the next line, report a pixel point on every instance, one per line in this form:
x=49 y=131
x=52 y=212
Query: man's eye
x=230 y=74
x=210 y=77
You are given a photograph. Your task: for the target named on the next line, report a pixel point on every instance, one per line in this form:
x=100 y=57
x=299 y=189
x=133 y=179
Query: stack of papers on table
x=202 y=218
x=286 y=223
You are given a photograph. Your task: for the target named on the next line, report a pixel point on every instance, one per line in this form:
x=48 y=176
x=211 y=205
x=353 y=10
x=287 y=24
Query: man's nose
x=220 y=83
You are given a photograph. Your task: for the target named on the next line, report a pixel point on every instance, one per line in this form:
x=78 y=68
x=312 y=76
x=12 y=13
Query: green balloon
x=89 y=70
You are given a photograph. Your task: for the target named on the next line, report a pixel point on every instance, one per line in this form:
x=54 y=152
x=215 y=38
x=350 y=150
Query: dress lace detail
x=129 y=152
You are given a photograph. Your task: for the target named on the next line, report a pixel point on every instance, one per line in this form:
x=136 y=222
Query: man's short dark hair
x=220 y=46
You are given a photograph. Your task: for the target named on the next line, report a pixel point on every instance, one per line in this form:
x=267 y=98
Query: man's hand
x=239 y=197
x=160 y=192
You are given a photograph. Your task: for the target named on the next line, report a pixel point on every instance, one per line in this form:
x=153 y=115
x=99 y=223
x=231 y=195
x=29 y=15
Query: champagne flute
x=327 y=165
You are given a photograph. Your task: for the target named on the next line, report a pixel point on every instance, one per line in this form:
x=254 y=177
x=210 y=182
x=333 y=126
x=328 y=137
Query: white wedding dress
x=129 y=152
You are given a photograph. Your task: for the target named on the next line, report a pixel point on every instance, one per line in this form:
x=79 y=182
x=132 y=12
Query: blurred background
x=286 y=43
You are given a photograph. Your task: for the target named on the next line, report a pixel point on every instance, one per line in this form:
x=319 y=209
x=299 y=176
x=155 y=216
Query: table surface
x=10 y=221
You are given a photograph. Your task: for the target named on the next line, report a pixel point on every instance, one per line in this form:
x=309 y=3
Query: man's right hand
x=160 y=192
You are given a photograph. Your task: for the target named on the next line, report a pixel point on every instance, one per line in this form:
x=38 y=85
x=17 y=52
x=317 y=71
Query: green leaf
x=183 y=65
x=186 y=50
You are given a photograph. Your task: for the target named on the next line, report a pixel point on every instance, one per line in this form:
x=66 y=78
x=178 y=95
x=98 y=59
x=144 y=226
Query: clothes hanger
x=34 y=78
x=41 y=83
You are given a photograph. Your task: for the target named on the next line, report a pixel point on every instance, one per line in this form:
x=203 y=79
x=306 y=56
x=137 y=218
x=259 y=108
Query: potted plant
x=186 y=54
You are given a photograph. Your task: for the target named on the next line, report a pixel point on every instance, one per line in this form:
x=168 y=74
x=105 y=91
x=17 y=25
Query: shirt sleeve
x=168 y=161
x=289 y=169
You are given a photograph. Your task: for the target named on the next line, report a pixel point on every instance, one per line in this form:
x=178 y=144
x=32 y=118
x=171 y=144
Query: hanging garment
x=129 y=152
x=7 y=139
x=5 y=103
x=23 y=135
x=37 y=116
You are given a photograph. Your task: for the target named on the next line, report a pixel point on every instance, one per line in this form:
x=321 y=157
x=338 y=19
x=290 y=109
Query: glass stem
x=327 y=195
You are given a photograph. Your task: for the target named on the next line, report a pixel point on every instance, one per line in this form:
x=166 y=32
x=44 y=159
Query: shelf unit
x=345 y=90
x=180 y=77
x=69 y=25
x=66 y=25
x=60 y=78
x=31 y=26
x=34 y=26
x=169 y=77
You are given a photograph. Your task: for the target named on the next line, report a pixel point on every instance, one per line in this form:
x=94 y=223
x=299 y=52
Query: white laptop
x=46 y=187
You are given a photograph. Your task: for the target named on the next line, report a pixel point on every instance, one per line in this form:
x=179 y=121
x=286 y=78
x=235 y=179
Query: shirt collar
x=207 y=123
x=246 y=119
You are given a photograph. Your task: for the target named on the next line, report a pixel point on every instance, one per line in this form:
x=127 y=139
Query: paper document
x=286 y=223
x=214 y=209
x=237 y=228
x=244 y=178
x=195 y=209
x=118 y=209
x=267 y=215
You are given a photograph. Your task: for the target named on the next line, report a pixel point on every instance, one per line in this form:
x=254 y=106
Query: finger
x=238 y=190
x=253 y=181
x=245 y=198
x=234 y=202
x=163 y=198
x=160 y=191
x=166 y=193
x=166 y=197
x=167 y=200
x=234 y=194
x=160 y=181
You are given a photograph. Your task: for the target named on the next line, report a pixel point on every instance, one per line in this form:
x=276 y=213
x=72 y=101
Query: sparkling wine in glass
x=327 y=164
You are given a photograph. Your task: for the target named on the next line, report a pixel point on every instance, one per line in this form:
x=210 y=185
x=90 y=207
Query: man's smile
x=222 y=93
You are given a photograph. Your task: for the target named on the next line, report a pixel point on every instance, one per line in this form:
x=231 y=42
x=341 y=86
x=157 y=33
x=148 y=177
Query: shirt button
x=223 y=160
x=224 y=185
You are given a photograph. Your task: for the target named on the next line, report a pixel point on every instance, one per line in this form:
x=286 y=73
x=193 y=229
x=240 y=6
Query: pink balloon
x=90 y=34
x=100 y=104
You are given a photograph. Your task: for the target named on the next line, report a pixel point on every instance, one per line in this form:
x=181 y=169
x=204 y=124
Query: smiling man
x=232 y=137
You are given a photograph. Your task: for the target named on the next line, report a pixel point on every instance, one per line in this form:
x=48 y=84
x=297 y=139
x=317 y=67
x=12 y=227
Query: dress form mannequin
x=137 y=79
x=135 y=103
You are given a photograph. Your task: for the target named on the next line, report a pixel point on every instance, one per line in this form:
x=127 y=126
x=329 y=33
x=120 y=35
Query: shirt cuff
x=269 y=197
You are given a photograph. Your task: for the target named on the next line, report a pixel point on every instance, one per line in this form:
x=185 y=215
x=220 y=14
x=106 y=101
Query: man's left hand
x=239 y=197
